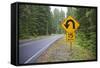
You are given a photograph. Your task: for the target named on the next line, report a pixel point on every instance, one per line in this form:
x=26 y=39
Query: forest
x=37 y=20
x=86 y=35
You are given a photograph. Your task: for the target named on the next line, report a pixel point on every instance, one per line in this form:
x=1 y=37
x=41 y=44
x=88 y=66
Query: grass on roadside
x=59 y=51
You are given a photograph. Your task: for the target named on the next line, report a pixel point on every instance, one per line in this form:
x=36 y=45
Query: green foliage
x=86 y=35
x=34 y=20
x=58 y=16
x=87 y=42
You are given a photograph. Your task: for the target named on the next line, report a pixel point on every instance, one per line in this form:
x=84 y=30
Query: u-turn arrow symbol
x=67 y=25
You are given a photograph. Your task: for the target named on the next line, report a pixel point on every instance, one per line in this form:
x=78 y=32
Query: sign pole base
x=70 y=48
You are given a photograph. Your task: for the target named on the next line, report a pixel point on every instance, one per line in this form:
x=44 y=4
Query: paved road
x=30 y=51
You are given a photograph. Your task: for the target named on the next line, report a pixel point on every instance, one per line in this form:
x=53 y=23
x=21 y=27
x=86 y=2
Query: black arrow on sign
x=67 y=25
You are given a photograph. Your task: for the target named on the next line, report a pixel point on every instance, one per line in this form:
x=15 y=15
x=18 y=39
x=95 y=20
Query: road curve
x=30 y=51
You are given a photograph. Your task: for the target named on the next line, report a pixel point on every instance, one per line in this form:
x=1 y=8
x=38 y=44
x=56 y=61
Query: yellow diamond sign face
x=70 y=24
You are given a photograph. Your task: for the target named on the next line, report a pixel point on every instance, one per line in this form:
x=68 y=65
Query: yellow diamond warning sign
x=70 y=24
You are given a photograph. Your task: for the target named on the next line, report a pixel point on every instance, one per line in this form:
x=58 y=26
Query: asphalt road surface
x=30 y=51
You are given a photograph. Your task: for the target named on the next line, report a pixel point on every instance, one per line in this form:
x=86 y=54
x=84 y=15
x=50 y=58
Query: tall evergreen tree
x=34 y=20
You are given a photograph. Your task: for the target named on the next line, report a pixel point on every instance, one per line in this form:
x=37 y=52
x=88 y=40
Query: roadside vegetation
x=86 y=34
x=60 y=51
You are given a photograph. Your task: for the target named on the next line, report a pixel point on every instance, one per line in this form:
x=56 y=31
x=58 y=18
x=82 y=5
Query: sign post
x=70 y=25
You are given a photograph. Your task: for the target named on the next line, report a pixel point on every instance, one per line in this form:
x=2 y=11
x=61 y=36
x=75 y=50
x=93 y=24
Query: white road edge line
x=25 y=44
x=27 y=61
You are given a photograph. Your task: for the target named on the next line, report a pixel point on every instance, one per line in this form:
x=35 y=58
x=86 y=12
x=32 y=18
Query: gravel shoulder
x=60 y=51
